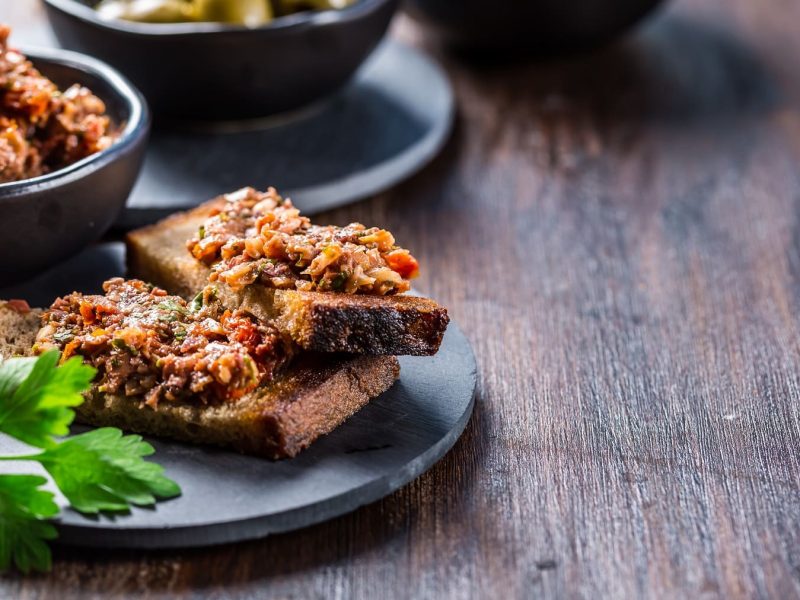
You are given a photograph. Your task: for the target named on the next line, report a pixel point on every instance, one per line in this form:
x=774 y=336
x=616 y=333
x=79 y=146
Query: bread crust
x=316 y=321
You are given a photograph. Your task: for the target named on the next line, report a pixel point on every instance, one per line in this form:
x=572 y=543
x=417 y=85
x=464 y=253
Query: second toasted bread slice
x=318 y=321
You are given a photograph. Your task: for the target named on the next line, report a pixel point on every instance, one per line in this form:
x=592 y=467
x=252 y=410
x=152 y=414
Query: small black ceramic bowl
x=543 y=25
x=203 y=71
x=46 y=219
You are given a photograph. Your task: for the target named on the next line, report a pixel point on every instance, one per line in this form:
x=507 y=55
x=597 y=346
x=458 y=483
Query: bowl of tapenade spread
x=226 y=59
x=72 y=137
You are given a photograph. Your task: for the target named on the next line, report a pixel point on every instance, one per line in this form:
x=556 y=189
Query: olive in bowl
x=59 y=209
x=546 y=25
x=224 y=71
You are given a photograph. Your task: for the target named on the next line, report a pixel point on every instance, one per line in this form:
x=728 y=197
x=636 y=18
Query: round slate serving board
x=386 y=125
x=228 y=497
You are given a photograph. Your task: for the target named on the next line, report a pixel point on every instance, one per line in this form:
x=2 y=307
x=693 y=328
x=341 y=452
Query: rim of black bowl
x=135 y=125
x=297 y=20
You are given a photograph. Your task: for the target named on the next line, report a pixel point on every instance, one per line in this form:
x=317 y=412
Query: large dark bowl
x=47 y=219
x=547 y=25
x=219 y=71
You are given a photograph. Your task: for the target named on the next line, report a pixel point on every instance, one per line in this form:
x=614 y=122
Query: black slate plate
x=391 y=121
x=228 y=497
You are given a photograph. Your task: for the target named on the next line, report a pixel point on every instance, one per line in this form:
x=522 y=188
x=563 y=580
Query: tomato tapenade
x=41 y=128
x=261 y=237
x=147 y=344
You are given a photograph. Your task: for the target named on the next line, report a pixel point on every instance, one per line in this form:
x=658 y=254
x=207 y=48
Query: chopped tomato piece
x=403 y=263
x=19 y=306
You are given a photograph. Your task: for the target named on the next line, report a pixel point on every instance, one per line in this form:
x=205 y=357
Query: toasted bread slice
x=311 y=398
x=317 y=321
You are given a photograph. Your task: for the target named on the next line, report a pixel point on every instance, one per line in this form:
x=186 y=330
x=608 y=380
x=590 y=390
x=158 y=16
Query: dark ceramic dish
x=547 y=25
x=219 y=71
x=47 y=219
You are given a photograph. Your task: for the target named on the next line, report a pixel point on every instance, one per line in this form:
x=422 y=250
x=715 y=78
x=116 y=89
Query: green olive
x=290 y=6
x=146 y=11
x=242 y=12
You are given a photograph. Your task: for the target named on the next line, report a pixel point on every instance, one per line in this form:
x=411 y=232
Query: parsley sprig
x=101 y=470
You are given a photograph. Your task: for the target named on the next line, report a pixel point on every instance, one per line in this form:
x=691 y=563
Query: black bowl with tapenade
x=49 y=217
x=200 y=71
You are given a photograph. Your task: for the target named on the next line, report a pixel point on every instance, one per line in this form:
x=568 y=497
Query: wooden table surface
x=619 y=235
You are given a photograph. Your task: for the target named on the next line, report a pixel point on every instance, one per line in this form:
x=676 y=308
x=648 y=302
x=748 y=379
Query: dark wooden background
x=619 y=235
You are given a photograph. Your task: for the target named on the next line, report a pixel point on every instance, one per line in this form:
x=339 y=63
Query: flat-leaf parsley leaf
x=36 y=397
x=23 y=528
x=104 y=470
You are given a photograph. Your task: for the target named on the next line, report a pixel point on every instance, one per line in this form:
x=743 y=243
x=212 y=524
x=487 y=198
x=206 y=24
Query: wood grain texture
x=619 y=235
